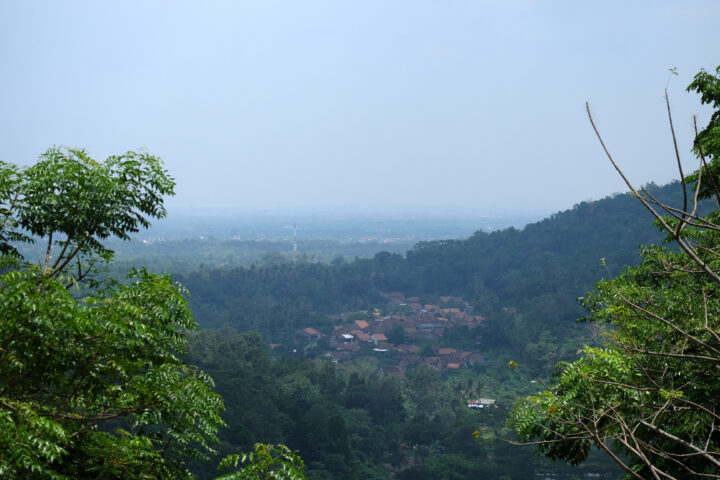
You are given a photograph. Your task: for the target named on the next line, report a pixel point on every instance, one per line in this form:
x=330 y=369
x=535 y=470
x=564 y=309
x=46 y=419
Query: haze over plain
x=462 y=107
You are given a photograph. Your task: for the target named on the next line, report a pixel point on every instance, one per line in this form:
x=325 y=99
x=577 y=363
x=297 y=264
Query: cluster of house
x=411 y=322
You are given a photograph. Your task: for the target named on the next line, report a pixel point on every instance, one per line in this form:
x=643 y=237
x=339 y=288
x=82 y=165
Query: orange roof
x=362 y=324
x=450 y=310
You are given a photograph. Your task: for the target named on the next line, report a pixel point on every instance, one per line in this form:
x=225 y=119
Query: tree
x=266 y=462
x=91 y=385
x=397 y=335
x=650 y=397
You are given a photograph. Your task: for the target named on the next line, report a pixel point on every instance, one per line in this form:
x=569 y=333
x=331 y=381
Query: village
x=401 y=336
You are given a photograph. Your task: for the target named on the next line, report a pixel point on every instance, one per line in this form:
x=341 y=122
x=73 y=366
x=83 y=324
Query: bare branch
x=683 y=245
x=47 y=253
x=679 y=214
x=682 y=442
x=677 y=155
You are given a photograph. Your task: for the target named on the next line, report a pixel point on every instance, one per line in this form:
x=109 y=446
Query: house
x=362 y=336
x=348 y=347
x=434 y=362
x=362 y=324
x=428 y=327
x=475 y=358
x=408 y=359
x=334 y=357
x=311 y=333
x=404 y=347
x=410 y=331
x=481 y=403
x=378 y=337
x=422 y=335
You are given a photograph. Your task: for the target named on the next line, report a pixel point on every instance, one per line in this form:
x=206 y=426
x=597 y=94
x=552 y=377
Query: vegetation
x=525 y=282
x=649 y=397
x=432 y=425
x=95 y=379
x=347 y=421
x=91 y=383
x=266 y=462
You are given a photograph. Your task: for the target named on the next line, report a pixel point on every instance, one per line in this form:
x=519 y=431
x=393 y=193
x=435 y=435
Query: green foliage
x=657 y=374
x=266 y=462
x=348 y=422
x=91 y=385
x=649 y=398
x=396 y=335
x=74 y=203
x=707 y=142
x=69 y=192
x=9 y=223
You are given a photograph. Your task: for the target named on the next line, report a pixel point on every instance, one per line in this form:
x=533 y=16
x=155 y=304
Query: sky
x=440 y=107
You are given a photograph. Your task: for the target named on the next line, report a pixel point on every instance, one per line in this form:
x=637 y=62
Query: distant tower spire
x=295 y=250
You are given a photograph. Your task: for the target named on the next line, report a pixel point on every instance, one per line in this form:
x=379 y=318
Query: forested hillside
x=522 y=284
x=347 y=421
x=538 y=271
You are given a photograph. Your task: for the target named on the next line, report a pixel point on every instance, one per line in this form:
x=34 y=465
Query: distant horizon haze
x=468 y=107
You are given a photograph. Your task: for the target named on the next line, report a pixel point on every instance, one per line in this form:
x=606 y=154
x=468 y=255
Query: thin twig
x=677 y=152
x=683 y=245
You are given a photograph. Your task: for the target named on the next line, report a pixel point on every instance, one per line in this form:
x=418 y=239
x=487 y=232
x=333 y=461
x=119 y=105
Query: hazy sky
x=444 y=105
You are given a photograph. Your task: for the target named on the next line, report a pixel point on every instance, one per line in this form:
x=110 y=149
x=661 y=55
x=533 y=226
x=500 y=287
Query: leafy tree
x=266 y=462
x=396 y=335
x=649 y=398
x=91 y=385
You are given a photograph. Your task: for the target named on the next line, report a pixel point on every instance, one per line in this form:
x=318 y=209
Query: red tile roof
x=362 y=324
